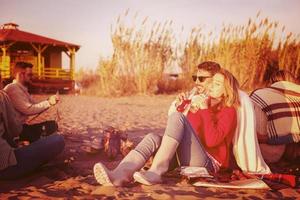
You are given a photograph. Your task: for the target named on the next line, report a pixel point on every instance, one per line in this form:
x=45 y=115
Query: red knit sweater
x=215 y=130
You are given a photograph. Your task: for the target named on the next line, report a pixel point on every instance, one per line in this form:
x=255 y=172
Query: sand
x=70 y=175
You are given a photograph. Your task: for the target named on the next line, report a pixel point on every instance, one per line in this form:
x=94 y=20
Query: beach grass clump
x=252 y=52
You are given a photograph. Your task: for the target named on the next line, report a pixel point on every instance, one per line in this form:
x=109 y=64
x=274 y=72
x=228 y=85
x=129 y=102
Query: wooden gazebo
x=44 y=53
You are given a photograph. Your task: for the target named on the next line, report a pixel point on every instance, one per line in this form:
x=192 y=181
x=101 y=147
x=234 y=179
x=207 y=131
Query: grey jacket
x=10 y=127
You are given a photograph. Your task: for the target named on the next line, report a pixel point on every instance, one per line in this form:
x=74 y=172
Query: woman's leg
x=131 y=163
x=33 y=156
x=179 y=135
x=190 y=151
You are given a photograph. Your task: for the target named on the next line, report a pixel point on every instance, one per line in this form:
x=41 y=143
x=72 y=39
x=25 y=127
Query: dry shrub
x=139 y=58
x=251 y=52
x=86 y=78
x=169 y=85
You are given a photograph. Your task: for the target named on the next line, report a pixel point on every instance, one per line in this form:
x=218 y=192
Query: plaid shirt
x=281 y=105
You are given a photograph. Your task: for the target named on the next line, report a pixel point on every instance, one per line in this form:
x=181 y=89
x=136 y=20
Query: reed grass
x=140 y=55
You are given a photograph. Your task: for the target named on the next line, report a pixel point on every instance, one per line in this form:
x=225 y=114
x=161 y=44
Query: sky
x=88 y=22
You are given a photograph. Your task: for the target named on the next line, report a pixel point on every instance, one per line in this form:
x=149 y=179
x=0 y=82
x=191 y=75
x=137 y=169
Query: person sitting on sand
x=17 y=162
x=26 y=106
x=209 y=146
x=277 y=114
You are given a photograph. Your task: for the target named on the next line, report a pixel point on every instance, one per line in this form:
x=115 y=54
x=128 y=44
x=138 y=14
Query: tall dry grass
x=251 y=52
x=139 y=58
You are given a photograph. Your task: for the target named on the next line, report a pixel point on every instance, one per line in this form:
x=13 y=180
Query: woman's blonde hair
x=231 y=85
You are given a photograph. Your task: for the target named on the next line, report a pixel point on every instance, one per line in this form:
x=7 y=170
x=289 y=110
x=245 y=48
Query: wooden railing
x=5 y=72
x=48 y=73
x=54 y=73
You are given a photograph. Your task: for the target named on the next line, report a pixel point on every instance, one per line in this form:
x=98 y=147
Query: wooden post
x=72 y=62
x=39 y=49
x=5 y=63
x=3 y=48
x=2 y=64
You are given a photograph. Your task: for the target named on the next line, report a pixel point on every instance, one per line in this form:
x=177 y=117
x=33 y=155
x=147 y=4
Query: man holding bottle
x=26 y=106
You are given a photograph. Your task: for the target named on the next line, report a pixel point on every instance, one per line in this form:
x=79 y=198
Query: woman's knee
x=148 y=145
x=155 y=138
x=176 y=117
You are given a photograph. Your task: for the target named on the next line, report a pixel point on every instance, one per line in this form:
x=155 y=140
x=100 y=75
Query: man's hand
x=180 y=98
x=53 y=99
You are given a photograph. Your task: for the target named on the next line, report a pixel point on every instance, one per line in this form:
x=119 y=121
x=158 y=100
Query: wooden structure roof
x=10 y=33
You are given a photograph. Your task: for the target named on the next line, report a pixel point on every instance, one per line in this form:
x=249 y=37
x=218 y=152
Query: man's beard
x=27 y=84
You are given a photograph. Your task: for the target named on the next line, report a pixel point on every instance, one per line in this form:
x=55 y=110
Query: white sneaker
x=143 y=178
x=101 y=174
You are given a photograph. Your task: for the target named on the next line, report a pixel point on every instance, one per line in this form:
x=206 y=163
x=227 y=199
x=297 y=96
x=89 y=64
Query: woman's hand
x=199 y=102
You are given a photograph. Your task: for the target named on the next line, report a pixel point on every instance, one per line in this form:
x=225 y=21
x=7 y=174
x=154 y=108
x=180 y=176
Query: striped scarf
x=281 y=103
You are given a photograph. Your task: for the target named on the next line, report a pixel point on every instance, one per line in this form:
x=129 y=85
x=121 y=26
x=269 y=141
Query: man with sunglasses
x=202 y=79
x=26 y=106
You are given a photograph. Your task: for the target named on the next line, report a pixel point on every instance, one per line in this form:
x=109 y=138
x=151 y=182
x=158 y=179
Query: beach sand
x=70 y=175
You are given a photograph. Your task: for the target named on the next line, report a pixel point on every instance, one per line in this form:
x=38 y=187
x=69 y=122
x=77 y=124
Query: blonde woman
x=206 y=142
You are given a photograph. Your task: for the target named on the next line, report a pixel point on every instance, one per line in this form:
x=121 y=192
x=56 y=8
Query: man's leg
x=33 y=132
x=33 y=156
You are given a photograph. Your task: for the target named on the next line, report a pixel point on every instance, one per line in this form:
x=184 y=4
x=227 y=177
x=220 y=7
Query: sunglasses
x=200 y=78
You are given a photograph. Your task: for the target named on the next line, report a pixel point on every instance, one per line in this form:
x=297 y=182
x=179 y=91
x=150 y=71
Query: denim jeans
x=190 y=151
x=286 y=139
x=149 y=145
x=30 y=157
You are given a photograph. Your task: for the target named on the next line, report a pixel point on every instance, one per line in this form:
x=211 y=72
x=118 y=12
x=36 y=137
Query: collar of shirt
x=21 y=86
x=287 y=86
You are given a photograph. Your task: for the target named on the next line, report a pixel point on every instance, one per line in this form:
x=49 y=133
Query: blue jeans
x=30 y=157
x=190 y=151
x=286 y=139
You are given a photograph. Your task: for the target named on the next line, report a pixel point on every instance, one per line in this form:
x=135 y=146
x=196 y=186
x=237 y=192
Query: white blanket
x=245 y=144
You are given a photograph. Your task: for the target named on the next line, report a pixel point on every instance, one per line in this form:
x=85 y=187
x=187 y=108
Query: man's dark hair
x=282 y=75
x=23 y=65
x=209 y=66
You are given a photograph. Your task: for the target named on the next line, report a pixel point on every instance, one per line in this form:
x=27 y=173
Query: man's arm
x=261 y=129
x=23 y=104
x=261 y=124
